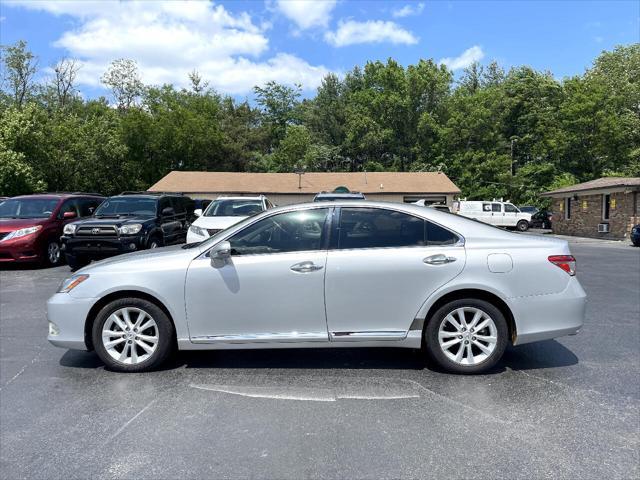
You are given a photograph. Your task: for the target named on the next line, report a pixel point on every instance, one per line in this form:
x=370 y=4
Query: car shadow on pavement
x=547 y=354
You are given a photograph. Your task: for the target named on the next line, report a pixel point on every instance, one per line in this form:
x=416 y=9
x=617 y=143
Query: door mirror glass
x=219 y=254
x=68 y=215
x=168 y=211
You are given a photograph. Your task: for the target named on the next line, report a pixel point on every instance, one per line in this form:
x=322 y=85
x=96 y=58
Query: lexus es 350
x=338 y=274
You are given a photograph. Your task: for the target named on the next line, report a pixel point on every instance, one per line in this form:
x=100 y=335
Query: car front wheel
x=132 y=335
x=466 y=336
x=522 y=226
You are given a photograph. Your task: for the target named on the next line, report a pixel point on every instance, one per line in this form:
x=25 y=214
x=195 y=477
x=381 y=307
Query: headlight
x=201 y=232
x=23 y=232
x=131 y=229
x=69 y=229
x=70 y=283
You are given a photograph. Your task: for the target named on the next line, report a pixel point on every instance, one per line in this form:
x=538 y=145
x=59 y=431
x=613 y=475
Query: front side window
x=378 y=228
x=296 y=231
x=126 y=206
x=70 y=206
x=233 y=208
x=496 y=207
x=28 y=208
x=510 y=208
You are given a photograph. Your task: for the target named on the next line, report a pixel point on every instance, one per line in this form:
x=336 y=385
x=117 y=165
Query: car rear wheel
x=466 y=336
x=522 y=226
x=132 y=335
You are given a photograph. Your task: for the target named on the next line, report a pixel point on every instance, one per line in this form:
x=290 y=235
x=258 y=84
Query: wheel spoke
x=110 y=344
x=141 y=316
x=146 y=347
x=114 y=318
x=483 y=324
x=486 y=339
x=146 y=325
x=450 y=343
x=460 y=313
x=453 y=322
x=469 y=353
x=475 y=319
x=460 y=354
x=482 y=347
x=127 y=318
x=445 y=334
x=148 y=338
x=125 y=352
x=134 y=353
x=112 y=333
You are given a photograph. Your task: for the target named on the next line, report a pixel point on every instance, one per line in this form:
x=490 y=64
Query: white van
x=500 y=214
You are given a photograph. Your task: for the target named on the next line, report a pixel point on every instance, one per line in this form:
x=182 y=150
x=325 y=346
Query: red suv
x=31 y=225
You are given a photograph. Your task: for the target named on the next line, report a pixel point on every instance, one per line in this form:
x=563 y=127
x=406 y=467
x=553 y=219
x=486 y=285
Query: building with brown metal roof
x=288 y=188
x=602 y=208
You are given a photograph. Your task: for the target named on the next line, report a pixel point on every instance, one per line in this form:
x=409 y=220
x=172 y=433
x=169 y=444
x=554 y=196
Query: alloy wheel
x=53 y=253
x=467 y=336
x=130 y=335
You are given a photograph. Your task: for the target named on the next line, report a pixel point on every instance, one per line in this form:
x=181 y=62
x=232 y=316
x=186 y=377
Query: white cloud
x=168 y=39
x=371 y=31
x=470 y=55
x=409 y=10
x=307 y=13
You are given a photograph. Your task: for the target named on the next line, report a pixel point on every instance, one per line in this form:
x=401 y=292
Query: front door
x=383 y=267
x=510 y=215
x=270 y=290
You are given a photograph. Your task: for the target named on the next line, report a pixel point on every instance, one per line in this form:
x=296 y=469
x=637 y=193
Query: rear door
x=382 y=266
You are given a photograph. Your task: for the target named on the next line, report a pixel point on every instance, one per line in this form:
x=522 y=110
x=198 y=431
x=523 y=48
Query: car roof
x=61 y=195
x=240 y=197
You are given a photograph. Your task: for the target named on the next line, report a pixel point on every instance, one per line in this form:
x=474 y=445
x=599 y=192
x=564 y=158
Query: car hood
x=142 y=260
x=218 y=223
x=11 y=224
x=117 y=221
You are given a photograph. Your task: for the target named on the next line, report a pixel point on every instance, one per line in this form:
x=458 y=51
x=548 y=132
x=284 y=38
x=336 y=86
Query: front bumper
x=102 y=247
x=69 y=315
x=543 y=317
x=23 y=249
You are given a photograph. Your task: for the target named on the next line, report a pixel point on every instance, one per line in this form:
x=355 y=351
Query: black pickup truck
x=126 y=223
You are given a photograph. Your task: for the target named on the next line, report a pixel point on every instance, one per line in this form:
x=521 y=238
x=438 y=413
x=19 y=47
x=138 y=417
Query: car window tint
x=178 y=205
x=378 y=228
x=496 y=207
x=285 y=232
x=437 y=235
x=510 y=208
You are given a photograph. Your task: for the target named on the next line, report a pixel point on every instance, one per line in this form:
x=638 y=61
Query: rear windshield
x=118 y=206
x=233 y=208
x=28 y=207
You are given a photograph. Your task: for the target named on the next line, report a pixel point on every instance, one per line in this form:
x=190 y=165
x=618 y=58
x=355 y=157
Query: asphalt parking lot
x=568 y=408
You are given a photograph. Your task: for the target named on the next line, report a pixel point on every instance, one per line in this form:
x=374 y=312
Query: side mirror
x=220 y=254
x=68 y=215
x=168 y=211
x=197 y=212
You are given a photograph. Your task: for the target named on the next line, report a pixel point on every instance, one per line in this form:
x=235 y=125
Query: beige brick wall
x=586 y=214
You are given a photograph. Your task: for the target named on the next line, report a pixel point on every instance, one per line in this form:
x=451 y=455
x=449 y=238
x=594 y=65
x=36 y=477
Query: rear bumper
x=542 y=317
x=69 y=315
x=95 y=248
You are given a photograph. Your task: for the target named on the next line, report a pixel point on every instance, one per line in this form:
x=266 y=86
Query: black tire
x=165 y=332
x=522 y=226
x=155 y=242
x=52 y=255
x=76 y=262
x=435 y=352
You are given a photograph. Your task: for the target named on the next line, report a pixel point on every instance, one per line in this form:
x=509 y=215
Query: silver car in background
x=334 y=274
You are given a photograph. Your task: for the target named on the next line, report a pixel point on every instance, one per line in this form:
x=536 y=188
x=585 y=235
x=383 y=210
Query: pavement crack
x=24 y=367
x=130 y=421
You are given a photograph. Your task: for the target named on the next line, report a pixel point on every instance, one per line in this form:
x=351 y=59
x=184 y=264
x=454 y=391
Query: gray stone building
x=602 y=208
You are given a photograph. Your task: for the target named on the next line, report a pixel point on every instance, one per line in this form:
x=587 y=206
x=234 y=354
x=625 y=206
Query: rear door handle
x=305 y=267
x=438 y=259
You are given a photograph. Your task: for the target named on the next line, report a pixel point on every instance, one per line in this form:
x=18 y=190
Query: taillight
x=565 y=262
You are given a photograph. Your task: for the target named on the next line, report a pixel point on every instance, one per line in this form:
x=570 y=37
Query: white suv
x=224 y=212
x=500 y=214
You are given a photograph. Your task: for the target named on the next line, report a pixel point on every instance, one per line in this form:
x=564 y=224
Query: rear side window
x=496 y=207
x=378 y=228
x=88 y=206
x=437 y=235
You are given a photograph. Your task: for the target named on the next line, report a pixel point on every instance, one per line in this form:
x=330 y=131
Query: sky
x=235 y=45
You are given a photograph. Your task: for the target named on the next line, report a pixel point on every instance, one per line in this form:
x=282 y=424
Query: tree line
x=495 y=133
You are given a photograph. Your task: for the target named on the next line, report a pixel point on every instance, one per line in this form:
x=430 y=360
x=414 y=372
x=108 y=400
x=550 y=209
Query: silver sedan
x=344 y=274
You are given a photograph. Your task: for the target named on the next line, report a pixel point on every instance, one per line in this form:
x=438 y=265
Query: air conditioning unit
x=603 y=228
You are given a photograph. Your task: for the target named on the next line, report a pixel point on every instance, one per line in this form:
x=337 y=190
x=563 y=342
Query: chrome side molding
x=368 y=335
x=264 y=338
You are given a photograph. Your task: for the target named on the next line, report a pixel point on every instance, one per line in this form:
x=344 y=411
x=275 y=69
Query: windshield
x=118 y=206
x=233 y=208
x=28 y=207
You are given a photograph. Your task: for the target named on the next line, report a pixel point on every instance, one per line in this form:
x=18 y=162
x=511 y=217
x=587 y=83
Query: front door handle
x=305 y=267
x=438 y=259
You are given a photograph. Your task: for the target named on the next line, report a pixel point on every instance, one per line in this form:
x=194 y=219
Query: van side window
x=510 y=208
x=496 y=207
x=486 y=207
